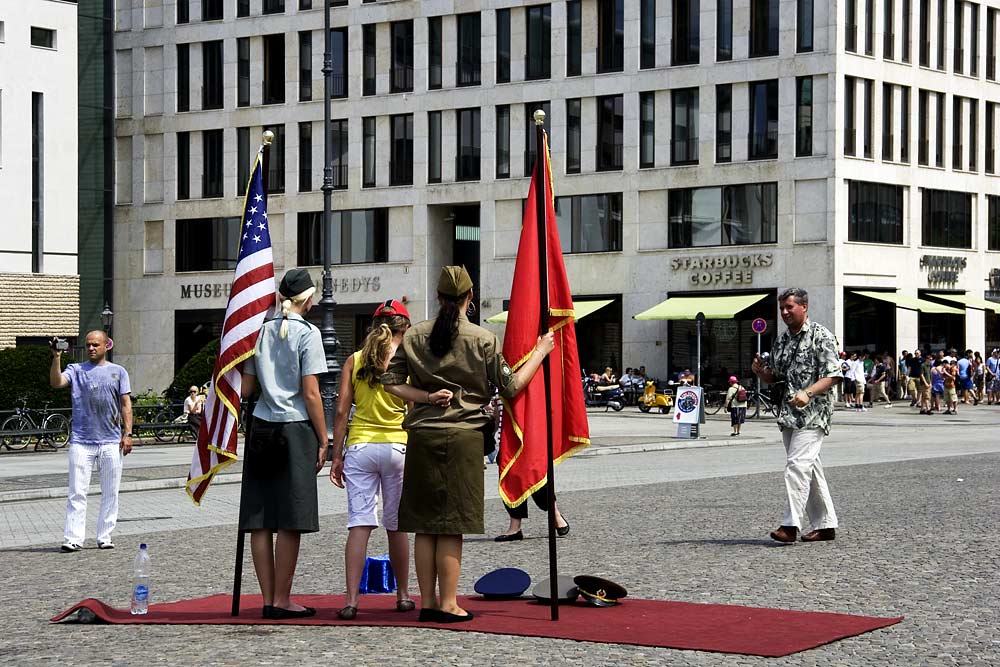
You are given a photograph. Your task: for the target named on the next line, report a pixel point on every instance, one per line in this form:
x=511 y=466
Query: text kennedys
x=737 y=269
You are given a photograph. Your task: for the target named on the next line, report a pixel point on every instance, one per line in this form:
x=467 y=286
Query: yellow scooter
x=651 y=399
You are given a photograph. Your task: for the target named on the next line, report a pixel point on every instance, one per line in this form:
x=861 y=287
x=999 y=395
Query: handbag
x=266 y=448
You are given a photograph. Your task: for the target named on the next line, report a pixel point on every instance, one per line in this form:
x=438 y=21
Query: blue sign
x=759 y=325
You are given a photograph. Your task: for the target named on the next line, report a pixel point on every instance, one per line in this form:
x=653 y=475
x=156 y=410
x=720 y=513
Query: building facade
x=39 y=281
x=699 y=149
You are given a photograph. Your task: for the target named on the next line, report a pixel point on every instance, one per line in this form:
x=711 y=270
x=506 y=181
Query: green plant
x=197 y=371
x=25 y=373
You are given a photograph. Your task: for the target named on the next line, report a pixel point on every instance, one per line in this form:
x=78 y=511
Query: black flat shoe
x=513 y=537
x=563 y=531
x=348 y=613
x=429 y=616
x=405 y=605
x=279 y=614
x=446 y=617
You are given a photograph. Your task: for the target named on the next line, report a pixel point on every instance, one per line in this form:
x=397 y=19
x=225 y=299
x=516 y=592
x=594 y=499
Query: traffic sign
x=759 y=325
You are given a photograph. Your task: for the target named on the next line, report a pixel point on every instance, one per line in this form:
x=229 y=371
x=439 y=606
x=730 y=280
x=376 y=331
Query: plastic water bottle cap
x=142 y=546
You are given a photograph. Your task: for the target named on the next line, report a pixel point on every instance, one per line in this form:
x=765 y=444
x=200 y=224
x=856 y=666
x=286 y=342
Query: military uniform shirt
x=467 y=370
x=800 y=360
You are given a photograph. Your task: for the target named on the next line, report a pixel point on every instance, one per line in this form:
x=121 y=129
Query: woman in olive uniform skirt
x=444 y=367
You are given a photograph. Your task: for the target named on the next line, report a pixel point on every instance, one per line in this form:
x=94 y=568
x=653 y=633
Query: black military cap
x=599 y=592
x=295 y=282
x=503 y=584
x=565 y=589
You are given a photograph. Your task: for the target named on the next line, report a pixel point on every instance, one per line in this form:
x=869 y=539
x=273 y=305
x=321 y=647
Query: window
x=467 y=160
x=401 y=74
x=869 y=101
x=973 y=133
x=305 y=157
x=273 y=7
x=211 y=163
x=610 y=132
x=993 y=222
x=804 y=26
x=851 y=25
x=887 y=119
x=574 y=36
x=647 y=129
x=359 y=237
x=433 y=54
x=940 y=33
x=724 y=30
x=242 y=160
x=338 y=51
x=991 y=46
x=923 y=139
x=874 y=212
x=539 y=65
x=869 y=27
x=925 y=35
x=274 y=69
x=647 y=34
x=368 y=152
x=959 y=61
x=211 y=10
x=573 y=137
x=724 y=122
x=503 y=45
x=888 y=37
x=242 y=71
x=37 y=181
x=956 y=132
x=904 y=124
x=434 y=146
x=368 y=58
x=305 y=66
x=183 y=77
x=274 y=174
x=974 y=41
x=906 y=30
x=939 y=135
x=340 y=143
x=401 y=145
x=803 y=116
x=242 y=8
x=850 y=124
x=469 y=44
x=183 y=12
x=43 y=37
x=684 y=137
x=946 y=219
x=727 y=215
x=503 y=141
x=990 y=137
x=590 y=223
x=208 y=244
x=610 y=35
x=686 y=32
x=763 y=28
x=529 y=133
x=763 y=119
x=183 y=165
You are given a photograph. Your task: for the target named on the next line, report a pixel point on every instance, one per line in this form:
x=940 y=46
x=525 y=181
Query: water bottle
x=140 y=587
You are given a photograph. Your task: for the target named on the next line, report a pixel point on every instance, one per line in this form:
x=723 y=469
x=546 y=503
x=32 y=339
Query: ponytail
x=446 y=324
x=378 y=343
x=286 y=307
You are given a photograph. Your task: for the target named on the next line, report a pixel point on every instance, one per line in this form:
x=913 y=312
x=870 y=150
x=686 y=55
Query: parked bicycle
x=26 y=424
x=758 y=403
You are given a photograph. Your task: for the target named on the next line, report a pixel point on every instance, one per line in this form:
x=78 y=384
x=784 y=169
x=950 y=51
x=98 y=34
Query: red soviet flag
x=523 y=443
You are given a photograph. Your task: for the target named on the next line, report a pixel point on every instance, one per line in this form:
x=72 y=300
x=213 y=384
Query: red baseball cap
x=391 y=307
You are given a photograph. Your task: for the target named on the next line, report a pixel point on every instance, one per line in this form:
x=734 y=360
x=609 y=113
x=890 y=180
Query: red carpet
x=683 y=625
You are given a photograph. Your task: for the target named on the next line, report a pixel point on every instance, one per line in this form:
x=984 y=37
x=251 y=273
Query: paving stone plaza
x=919 y=513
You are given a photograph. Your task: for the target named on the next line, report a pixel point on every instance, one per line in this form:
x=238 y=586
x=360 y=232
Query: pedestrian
x=924 y=385
x=804 y=357
x=444 y=366
x=880 y=379
x=913 y=366
x=736 y=403
x=902 y=379
x=372 y=463
x=992 y=379
x=193 y=405
x=937 y=386
x=857 y=375
x=978 y=372
x=100 y=435
x=608 y=377
x=950 y=374
x=286 y=447
x=964 y=364
x=847 y=380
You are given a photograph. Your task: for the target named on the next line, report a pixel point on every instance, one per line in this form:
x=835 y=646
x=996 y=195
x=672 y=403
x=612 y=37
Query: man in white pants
x=805 y=358
x=101 y=434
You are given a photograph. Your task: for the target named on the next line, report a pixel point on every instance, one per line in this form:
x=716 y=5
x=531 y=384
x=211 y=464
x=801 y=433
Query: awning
x=910 y=303
x=687 y=307
x=580 y=309
x=969 y=301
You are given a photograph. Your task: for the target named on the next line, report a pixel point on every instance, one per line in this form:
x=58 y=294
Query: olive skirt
x=280 y=494
x=443 y=482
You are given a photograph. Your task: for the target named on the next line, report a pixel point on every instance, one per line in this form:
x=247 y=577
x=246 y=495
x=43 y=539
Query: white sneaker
x=69 y=547
x=106 y=545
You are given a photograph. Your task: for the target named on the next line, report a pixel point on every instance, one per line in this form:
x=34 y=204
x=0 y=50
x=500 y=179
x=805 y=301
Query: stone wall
x=38 y=305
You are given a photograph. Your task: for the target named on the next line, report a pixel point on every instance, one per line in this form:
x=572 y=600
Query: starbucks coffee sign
x=942 y=269
x=736 y=269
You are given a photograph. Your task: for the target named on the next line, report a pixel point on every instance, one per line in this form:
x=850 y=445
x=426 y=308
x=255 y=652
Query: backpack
x=741 y=395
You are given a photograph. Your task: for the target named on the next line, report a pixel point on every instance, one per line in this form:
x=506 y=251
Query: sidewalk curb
x=669 y=445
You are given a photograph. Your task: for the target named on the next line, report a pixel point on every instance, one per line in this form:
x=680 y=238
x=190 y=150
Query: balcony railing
x=338 y=85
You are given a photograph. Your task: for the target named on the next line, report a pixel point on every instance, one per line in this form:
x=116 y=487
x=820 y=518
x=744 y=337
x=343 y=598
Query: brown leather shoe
x=786 y=534
x=821 y=535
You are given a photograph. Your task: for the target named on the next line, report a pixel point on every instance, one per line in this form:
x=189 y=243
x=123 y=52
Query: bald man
x=101 y=436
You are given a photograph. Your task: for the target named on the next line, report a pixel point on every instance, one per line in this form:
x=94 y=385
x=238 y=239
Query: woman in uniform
x=286 y=447
x=444 y=367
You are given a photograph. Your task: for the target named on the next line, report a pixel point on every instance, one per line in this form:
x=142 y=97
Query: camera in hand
x=59 y=344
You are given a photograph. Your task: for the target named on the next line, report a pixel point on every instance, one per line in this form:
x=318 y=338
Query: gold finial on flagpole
x=539 y=117
x=267 y=137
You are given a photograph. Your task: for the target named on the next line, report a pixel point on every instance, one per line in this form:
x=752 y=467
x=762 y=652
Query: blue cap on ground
x=503 y=584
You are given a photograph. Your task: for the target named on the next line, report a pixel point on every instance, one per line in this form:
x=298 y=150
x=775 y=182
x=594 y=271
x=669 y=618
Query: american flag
x=251 y=298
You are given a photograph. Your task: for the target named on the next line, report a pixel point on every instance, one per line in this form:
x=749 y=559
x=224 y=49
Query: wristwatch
x=809 y=393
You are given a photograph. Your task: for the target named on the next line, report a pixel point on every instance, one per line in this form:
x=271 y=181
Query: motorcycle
x=652 y=399
x=596 y=395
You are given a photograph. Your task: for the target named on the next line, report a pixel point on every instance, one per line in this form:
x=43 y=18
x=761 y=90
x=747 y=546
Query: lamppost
x=328 y=382
x=107 y=319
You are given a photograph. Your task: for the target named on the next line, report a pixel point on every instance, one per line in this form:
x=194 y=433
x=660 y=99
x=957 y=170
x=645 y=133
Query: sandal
x=405 y=605
x=348 y=613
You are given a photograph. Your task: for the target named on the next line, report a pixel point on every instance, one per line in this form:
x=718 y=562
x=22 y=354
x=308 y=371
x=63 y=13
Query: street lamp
x=107 y=317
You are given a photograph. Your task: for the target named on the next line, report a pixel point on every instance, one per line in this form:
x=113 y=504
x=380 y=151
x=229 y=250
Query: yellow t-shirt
x=378 y=415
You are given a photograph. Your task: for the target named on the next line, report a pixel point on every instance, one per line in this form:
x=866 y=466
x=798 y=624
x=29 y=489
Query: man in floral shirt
x=804 y=358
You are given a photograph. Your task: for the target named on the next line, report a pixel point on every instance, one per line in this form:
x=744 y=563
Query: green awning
x=910 y=303
x=580 y=309
x=686 y=307
x=970 y=301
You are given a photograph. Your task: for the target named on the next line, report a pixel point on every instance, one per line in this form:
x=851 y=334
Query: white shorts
x=367 y=468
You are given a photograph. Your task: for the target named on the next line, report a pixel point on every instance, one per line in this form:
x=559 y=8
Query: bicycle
x=17 y=430
x=757 y=402
x=714 y=400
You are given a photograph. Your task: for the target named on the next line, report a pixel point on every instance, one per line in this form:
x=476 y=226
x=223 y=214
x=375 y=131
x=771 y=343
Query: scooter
x=597 y=396
x=651 y=399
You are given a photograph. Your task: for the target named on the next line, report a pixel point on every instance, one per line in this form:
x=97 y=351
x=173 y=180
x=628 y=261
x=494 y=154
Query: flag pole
x=241 y=536
x=541 y=180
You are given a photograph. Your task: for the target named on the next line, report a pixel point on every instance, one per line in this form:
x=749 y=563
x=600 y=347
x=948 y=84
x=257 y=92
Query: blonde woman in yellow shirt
x=374 y=455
